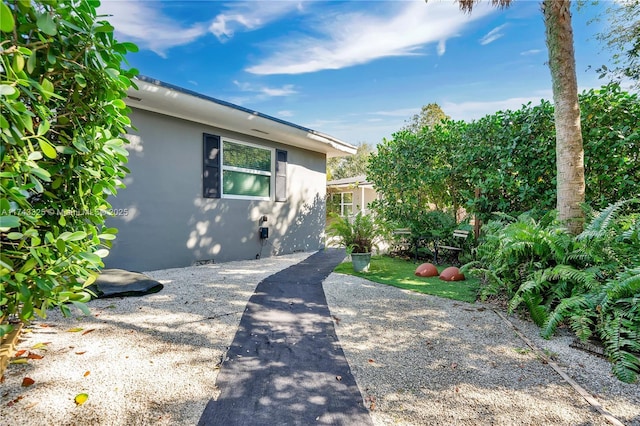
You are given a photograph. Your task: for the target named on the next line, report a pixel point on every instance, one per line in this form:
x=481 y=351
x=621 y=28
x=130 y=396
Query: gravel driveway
x=418 y=360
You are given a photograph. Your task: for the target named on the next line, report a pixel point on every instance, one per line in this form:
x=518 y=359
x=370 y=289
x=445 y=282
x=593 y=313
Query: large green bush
x=510 y=157
x=61 y=93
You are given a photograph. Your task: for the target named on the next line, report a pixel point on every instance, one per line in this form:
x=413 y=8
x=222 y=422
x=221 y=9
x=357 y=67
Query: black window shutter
x=281 y=175
x=211 y=166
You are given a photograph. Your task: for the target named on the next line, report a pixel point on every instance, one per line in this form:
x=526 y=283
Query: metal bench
x=458 y=233
x=409 y=241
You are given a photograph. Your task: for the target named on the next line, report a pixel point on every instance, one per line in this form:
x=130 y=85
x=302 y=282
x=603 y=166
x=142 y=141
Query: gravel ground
x=418 y=360
x=423 y=360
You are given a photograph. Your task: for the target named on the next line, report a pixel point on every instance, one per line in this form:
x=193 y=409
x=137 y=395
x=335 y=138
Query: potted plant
x=358 y=235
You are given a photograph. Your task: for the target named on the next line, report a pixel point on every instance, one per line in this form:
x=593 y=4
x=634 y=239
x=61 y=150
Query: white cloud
x=493 y=35
x=285 y=113
x=530 y=52
x=471 y=110
x=286 y=90
x=442 y=47
x=144 y=24
x=249 y=15
x=356 y=38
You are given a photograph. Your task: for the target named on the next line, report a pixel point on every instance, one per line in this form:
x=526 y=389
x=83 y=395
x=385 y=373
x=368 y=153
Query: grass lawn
x=400 y=273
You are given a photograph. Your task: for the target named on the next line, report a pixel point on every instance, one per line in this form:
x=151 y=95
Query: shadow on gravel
x=285 y=364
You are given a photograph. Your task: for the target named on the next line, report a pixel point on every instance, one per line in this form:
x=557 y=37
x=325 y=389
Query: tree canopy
x=350 y=166
x=430 y=115
x=622 y=38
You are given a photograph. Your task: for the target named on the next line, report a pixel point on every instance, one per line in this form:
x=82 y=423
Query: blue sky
x=356 y=70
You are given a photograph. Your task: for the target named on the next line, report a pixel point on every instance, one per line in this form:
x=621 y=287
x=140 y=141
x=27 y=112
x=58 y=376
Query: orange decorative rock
x=451 y=274
x=426 y=270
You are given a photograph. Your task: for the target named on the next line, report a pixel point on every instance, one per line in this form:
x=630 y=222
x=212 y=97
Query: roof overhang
x=156 y=96
x=350 y=183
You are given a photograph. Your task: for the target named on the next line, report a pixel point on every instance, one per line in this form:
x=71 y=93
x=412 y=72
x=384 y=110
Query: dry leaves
x=27 y=381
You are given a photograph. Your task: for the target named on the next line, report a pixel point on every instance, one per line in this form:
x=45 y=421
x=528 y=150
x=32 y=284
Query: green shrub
x=61 y=94
x=591 y=281
x=510 y=156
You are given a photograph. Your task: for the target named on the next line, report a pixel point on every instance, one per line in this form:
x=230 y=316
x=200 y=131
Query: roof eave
x=156 y=96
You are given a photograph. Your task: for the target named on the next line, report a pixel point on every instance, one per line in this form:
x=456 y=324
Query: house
x=212 y=182
x=350 y=195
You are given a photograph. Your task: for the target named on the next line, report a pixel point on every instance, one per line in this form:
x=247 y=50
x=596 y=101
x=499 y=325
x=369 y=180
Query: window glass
x=246 y=157
x=242 y=183
x=246 y=170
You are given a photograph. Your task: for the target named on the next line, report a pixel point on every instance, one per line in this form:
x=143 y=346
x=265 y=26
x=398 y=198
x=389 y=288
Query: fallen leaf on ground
x=27 y=381
x=454 y=365
x=34 y=356
x=81 y=398
x=11 y=403
x=89 y=331
x=19 y=361
x=75 y=330
x=20 y=352
x=42 y=345
x=86 y=373
x=44 y=325
x=339 y=378
x=372 y=406
x=81 y=353
x=371 y=361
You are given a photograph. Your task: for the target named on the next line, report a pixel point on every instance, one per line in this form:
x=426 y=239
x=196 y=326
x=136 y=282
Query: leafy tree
x=510 y=156
x=61 y=94
x=569 y=150
x=415 y=173
x=351 y=166
x=429 y=116
x=622 y=37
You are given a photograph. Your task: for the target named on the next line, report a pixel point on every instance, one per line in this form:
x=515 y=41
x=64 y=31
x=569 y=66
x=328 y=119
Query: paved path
x=285 y=365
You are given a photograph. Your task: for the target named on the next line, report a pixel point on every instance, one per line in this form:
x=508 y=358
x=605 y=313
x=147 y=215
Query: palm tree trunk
x=569 y=150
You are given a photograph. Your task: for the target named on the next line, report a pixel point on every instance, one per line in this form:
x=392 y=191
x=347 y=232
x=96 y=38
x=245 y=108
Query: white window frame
x=271 y=173
x=342 y=203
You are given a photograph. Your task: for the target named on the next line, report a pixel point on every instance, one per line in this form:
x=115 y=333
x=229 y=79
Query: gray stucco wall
x=164 y=221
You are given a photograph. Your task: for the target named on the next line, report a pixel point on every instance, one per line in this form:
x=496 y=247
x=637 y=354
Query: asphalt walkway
x=285 y=365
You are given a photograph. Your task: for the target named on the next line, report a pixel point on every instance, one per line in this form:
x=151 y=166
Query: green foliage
x=430 y=115
x=414 y=174
x=622 y=38
x=61 y=95
x=350 y=166
x=358 y=234
x=510 y=156
x=591 y=281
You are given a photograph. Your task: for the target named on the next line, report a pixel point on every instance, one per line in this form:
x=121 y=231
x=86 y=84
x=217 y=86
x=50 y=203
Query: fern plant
x=591 y=282
x=606 y=299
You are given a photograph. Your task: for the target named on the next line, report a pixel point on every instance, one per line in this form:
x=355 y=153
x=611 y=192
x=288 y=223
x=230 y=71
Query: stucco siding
x=164 y=221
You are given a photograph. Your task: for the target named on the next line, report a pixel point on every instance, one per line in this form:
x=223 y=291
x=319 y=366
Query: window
x=341 y=203
x=246 y=170
x=234 y=169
